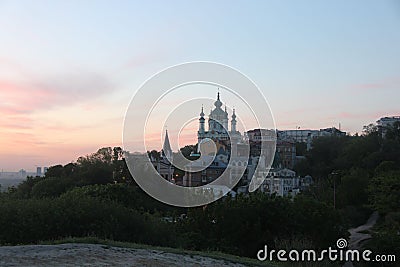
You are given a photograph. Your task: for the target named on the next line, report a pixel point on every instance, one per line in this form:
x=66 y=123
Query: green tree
x=384 y=192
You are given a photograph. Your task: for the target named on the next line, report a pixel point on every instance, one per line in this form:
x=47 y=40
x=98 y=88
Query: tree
x=384 y=192
x=51 y=187
x=393 y=131
x=370 y=129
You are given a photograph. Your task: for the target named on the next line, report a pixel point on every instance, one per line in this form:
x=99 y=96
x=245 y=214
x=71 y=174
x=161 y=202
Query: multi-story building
x=285 y=152
x=385 y=122
x=22 y=173
x=284 y=182
x=307 y=136
x=285 y=155
x=216 y=167
x=39 y=171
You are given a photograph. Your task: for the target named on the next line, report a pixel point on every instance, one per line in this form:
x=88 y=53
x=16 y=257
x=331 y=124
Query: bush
x=51 y=187
x=29 y=221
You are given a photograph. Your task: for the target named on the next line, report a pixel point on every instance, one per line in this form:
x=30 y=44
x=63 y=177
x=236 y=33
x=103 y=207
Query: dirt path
x=356 y=237
x=98 y=255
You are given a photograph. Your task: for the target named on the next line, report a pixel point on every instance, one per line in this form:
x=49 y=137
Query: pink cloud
x=26 y=97
x=363 y=115
x=19 y=100
x=388 y=83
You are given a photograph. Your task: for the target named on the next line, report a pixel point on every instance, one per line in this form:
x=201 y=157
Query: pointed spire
x=233 y=115
x=202 y=111
x=218 y=103
x=233 y=122
x=167 y=146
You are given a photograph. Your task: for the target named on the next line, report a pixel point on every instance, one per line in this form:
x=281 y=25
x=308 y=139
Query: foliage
x=385 y=192
x=29 y=221
x=130 y=196
x=244 y=225
x=51 y=187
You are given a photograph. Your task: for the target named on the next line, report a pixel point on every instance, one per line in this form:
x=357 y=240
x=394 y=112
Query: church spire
x=201 y=121
x=218 y=103
x=167 y=151
x=233 y=122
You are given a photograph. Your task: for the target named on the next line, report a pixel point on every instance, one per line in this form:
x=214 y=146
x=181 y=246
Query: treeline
x=96 y=196
x=123 y=212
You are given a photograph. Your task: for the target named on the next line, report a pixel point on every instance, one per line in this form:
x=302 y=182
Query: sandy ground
x=98 y=255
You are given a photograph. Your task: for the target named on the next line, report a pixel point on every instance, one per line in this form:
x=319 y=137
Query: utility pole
x=334 y=175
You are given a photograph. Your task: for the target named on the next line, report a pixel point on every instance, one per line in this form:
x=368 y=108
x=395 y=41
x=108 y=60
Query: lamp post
x=334 y=175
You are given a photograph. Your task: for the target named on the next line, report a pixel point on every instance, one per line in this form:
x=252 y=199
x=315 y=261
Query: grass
x=210 y=254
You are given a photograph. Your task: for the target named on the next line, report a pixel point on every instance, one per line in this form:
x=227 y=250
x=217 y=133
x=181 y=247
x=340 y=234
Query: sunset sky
x=68 y=69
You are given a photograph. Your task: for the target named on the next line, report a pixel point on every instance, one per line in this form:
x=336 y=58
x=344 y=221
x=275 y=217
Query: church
x=218 y=125
x=219 y=132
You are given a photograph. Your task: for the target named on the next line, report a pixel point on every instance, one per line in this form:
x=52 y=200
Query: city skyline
x=69 y=69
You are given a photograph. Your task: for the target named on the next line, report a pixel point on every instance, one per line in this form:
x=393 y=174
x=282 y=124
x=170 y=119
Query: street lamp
x=334 y=175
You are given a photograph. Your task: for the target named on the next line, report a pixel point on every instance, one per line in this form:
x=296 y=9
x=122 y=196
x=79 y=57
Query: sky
x=68 y=69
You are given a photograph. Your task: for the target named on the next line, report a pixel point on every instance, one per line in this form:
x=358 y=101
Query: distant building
x=285 y=155
x=217 y=167
x=281 y=182
x=252 y=172
x=39 y=171
x=306 y=182
x=259 y=135
x=385 y=122
x=300 y=136
x=284 y=182
x=307 y=136
x=22 y=173
x=45 y=169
